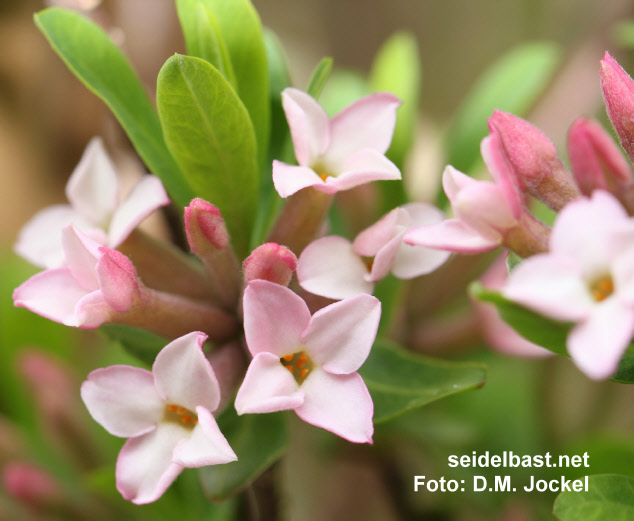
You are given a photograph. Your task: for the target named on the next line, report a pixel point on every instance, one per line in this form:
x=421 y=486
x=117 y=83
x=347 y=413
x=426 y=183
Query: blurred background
x=46 y=119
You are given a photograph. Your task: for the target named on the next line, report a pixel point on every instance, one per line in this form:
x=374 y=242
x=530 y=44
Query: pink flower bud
x=30 y=485
x=596 y=161
x=205 y=227
x=209 y=239
x=618 y=94
x=534 y=160
x=270 y=262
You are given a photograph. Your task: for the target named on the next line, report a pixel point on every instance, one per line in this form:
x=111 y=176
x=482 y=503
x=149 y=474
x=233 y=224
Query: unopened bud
x=596 y=161
x=618 y=94
x=534 y=160
x=209 y=240
x=30 y=485
x=205 y=227
x=270 y=262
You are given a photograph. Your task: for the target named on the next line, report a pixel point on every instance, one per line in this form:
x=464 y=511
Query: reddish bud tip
x=270 y=262
x=205 y=226
x=595 y=159
x=618 y=94
x=30 y=485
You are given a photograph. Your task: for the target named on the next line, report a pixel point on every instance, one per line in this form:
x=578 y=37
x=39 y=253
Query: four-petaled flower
x=166 y=413
x=587 y=278
x=309 y=364
x=334 y=267
x=93 y=192
x=339 y=153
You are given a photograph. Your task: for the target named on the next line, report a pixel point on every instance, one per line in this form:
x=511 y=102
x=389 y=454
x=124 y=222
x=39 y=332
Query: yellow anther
x=290 y=368
x=602 y=288
x=303 y=374
x=288 y=358
x=172 y=408
x=186 y=418
x=181 y=410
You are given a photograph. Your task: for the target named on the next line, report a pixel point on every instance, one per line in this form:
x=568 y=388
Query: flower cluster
x=580 y=271
x=299 y=362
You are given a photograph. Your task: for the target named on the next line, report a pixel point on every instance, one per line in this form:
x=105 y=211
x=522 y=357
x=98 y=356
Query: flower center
x=180 y=415
x=322 y=170
x=299 y=364
x=602 y=288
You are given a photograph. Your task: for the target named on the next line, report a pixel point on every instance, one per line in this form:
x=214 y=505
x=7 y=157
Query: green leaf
x=544 y=332
x=400 y=381
x=209 y=133
x=396 y=69
x=203 y=38
x=141 y=344
x=319 y=77
x=512 y=84
x=258 y=440
x=609 y=496
x=101 y=66
x=280 y=145
x=239 y=27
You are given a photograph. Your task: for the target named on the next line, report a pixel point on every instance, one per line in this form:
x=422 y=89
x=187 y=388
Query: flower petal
x=183 y=376
x=340 y=336
x=289 y=179
x=147 y=195
x=373 y=238
x=368 y=123
x=52 y=294
x=450 y=235
x=340 y=404
x=82 y=255
x=582 y=219
x=363 y=167
x=308 y=124
x=40 y=239
x=551 y=286
x=268 y=387
x=91 y=312
x=123 y=400
x=597 y=344
x=118 y=280
x=330 y=268
x=386 y=257
x=206 y=444
x=145 y=468
x=92 y=188
x=274 y=318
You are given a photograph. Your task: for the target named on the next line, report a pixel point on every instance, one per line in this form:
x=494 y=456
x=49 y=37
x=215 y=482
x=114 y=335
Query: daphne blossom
x=586 y=278
x=339 y=153
x=93 y=193
x=166 y=413
x=334 y=267
x=309 y=364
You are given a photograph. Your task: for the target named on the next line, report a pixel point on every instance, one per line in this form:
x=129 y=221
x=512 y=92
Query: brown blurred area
x=47 y=116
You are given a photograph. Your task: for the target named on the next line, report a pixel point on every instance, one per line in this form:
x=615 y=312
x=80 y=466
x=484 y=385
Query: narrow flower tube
x=618 y=94
x=209 y=240
x=270 y=262
x=533 y=159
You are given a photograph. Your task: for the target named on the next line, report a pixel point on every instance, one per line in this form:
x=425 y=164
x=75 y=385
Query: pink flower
x=339 y=153
x=94 y=208
x=309 y=364
x=96 y=284
x=165 y=412
x=586 y=278
x=100 y=285
x=487 y=214
x=335 y=268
